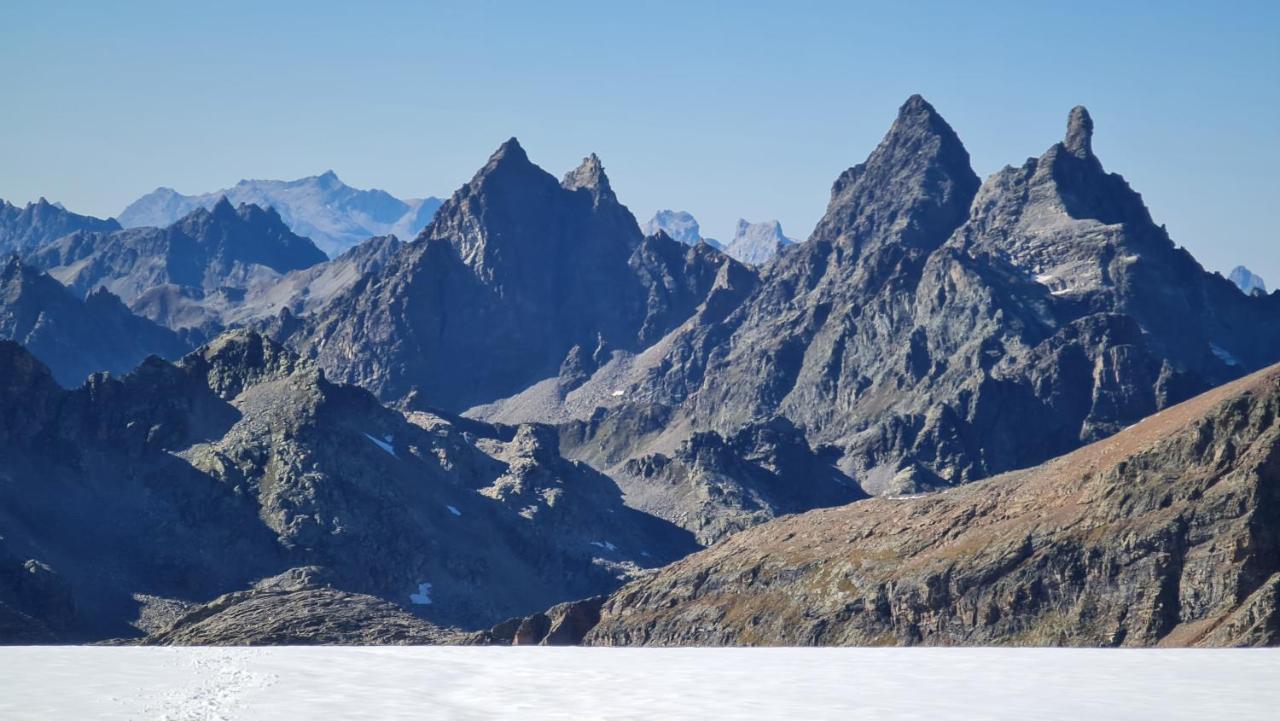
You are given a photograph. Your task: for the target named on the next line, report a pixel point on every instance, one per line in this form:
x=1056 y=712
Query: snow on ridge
x=606 y=545
x=454 y=510
x=384 y=443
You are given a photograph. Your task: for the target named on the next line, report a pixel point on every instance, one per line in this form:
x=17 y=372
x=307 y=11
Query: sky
x=725 y=109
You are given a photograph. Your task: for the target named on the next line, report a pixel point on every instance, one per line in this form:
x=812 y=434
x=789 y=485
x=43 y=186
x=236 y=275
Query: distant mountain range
x=187 y=274
x=752 y=243
x=520 y=412
x=23 y=230
x=333 y=215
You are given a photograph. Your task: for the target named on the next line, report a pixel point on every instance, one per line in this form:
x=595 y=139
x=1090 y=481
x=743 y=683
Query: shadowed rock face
x=179 y=483
x=1163 y=534
x=25 y=230
x=76 y=337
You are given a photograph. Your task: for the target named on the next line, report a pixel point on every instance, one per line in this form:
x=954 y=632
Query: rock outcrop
x=295 y=609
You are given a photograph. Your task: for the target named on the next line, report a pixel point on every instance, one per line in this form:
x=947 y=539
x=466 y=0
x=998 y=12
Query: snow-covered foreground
x=531 y=684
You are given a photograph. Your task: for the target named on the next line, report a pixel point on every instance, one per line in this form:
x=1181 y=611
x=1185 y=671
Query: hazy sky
x=724 y=109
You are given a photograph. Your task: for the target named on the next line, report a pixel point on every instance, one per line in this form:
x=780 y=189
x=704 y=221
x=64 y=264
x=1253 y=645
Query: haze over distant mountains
x=517 y=412
x=752 y=243
x=332 y=214
x=1247 y=281
x=23 y=230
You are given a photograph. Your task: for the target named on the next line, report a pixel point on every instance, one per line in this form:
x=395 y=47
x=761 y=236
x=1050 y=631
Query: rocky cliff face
x=335 y=216
x=175 y=484
x=183 y=274
x=1164 y=534
x=76 y=337
x=24 y=230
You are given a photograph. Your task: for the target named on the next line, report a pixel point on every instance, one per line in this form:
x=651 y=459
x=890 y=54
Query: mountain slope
x=332 y=214
x=147 y=495
x=23 y=230
x=1164 y=534
x=76 y=337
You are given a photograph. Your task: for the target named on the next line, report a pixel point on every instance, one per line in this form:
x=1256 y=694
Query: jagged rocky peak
x=509 y=154
x=590 y=175
x=1079 y=139
x=240 y=358
x=920 y=170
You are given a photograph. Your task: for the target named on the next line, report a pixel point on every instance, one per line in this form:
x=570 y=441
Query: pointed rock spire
x=919 y=171
x=222 y=208
x=589 y=175
x=1079 y=139
x=510 y=151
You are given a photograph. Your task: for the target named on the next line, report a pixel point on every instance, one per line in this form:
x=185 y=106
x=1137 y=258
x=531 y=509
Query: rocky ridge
x=1163 y=534
x=76 y=337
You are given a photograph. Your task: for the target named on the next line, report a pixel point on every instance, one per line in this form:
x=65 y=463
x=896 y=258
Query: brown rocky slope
x=1166 y=534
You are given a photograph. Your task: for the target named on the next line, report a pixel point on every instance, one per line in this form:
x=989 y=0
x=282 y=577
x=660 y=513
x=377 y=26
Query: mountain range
x=332 y=214
x=752 y=243
x=25 y=229
x=1012 y=398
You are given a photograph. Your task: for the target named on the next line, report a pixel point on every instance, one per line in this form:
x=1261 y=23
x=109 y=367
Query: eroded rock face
x=1163 y=534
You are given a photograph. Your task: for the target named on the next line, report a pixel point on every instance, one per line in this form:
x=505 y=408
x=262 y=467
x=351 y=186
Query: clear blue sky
x=725 y=109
